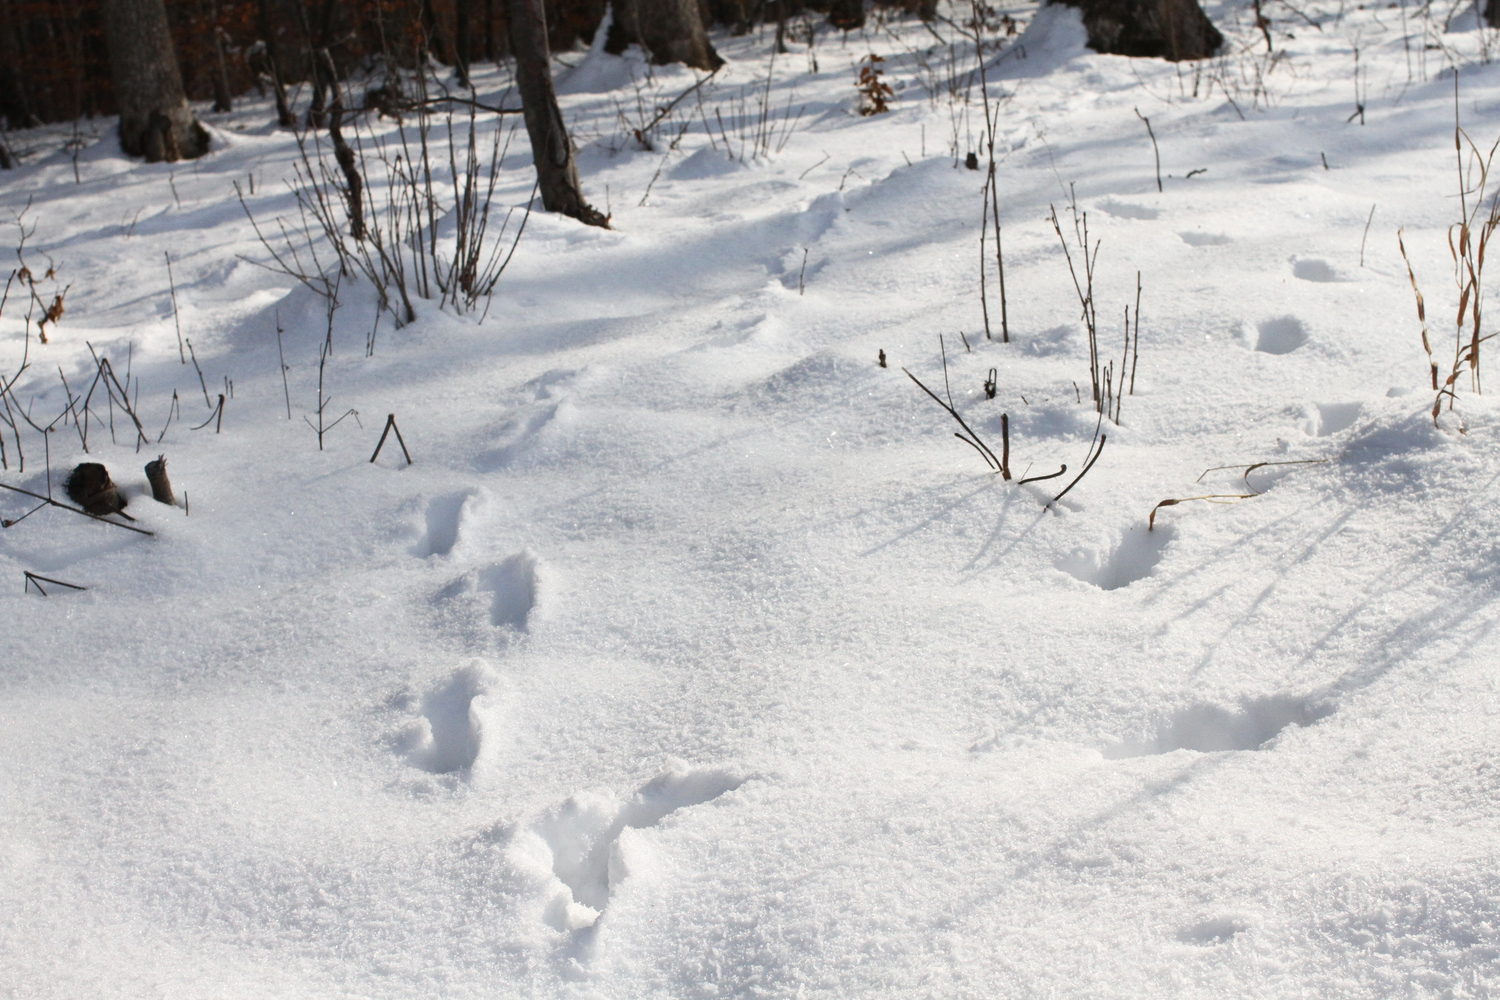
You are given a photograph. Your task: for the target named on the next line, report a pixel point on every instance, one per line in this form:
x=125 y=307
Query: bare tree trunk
x=1167 y=29
x=222 y=100
x=670 y=30
x=551 y=151
x=462 y=16
x=155 y=120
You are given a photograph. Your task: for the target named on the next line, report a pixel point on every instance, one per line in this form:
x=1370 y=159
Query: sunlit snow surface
x=694 y=657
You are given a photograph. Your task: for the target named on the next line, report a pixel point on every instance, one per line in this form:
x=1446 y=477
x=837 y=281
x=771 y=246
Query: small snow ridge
x=1054 y=340
x=444 y=517
x=1205 y=239
x=1211 y=729
x=1210 y=932
x=447 y=736
x=1324 y=419
x=1132 y=559
x=584 y=836
x=513 y=586
x=1125 y=210
x=1312 y=269
x=704 y=164
x=1281 y=335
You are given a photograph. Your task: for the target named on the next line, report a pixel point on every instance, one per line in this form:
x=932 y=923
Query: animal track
x=1123 y=210
x=1210 y=728
x=1324 y=419
x=512 y=588
x=1282 y=335
x=512 y=585
x=1312 y=269
x=1205 y=239
x=1209 y=932
x=445 y=516
x=517 y=434
x=583 y=836
x=1132 y=559
x=450 y=730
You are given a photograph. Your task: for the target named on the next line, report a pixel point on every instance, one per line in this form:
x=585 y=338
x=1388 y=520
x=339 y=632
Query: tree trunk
x=462 y=18
x=847 y=15
x=669 y=30
x=155 y=120
x=491 y=53
x=551 y=151
x=1165 y=29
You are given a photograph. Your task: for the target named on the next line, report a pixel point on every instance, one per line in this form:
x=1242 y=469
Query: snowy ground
x=693 y=656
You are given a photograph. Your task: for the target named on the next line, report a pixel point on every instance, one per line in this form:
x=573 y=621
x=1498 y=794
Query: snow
x=692 y=656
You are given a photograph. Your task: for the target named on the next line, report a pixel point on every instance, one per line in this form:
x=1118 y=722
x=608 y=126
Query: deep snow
x=693 y=656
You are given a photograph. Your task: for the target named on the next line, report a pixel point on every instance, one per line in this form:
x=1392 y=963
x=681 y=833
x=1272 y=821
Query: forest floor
x=692 y=656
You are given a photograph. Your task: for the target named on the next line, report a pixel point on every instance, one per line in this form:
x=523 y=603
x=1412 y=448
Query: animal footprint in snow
x=450 y=730
x=445 y=518
x=1120 y=564
x=1281 y=335
x=511 y=587
x=521 y=430
x=1312 y=269
x=1210 y=932
x=1325 y=419
x=589 y=844
x=1211 y=728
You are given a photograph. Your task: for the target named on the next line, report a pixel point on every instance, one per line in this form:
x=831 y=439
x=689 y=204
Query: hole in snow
x=1122 y=210
x=1132 y=559
x=1330 y=418
x=1205 y=239
x=513 y=586
x=584 y=835
x=1313 y=269
x=1210 y=931
x=1210 y=728
x=1282 y=335
x=445 y=515
x=447 y=736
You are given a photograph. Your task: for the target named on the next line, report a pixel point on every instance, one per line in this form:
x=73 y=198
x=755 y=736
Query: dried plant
x=875 y=94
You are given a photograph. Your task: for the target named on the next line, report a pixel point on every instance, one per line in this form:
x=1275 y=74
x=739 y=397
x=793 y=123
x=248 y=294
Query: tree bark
x=669 y=30
x=155 y=120
x=462 y=45
x=1166 y=29
x=551 y=151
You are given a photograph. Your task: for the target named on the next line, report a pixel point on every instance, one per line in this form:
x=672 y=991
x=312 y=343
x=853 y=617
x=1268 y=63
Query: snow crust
x=693 y=657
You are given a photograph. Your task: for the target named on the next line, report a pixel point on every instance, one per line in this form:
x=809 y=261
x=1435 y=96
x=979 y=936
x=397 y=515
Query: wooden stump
x=161 y=486
x=90 y=487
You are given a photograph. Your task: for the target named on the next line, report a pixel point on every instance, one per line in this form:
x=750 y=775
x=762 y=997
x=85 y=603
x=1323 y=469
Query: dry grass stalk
x=1210 y=497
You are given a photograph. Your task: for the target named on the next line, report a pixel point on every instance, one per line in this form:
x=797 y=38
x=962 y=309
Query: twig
x=171 y=283
x=1257 y=465
x=1365 y=236
x=1156 y=152
x=1037 y=479
x=35 y=580
x=1089 y=465
x=390 y=425
x=206 y=401
x=285 y=389
x=76 y=510
x=1211 y=498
